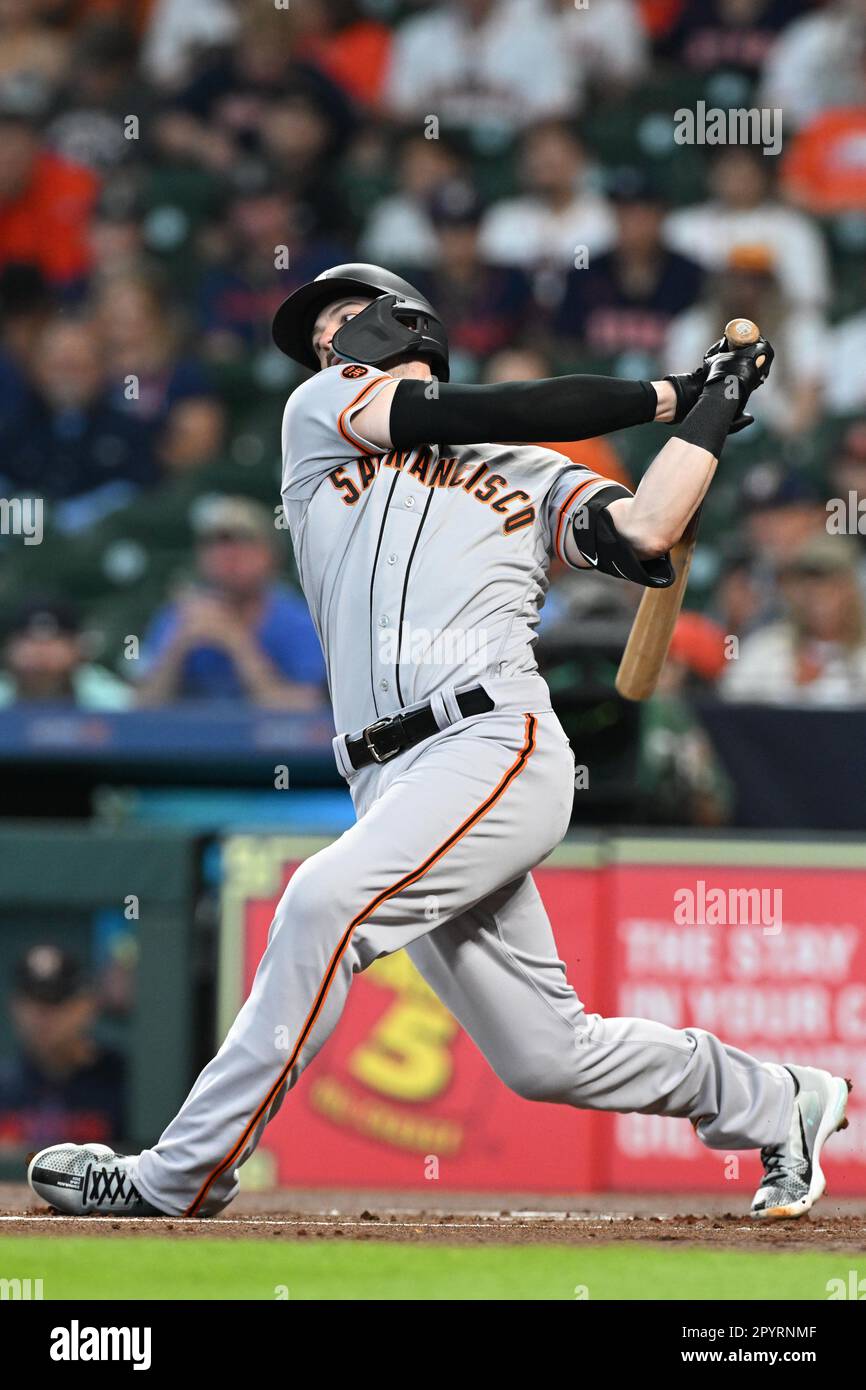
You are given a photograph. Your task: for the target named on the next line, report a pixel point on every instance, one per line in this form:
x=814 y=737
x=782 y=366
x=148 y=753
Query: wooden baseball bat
x=655 y=620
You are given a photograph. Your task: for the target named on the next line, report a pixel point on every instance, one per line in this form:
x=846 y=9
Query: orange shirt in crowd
x=825 y=169
x=660 y=16
x=596 y=454
x=46 y=225
x=356 y=59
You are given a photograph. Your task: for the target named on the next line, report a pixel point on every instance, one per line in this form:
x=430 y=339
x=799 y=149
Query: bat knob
x=741 y=333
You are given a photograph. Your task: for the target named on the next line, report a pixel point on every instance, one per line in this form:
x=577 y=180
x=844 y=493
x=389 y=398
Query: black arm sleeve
x=708 y=423
x=528 y=412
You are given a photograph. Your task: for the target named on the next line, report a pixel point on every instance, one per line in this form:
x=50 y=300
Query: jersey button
x=409 y=502
x=384 y=620
x=383 y=685
x=392 y=559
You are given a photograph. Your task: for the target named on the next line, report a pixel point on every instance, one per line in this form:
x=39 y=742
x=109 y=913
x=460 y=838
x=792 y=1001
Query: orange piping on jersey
x=596 y=478
x=342 y=423
x=318 y=1003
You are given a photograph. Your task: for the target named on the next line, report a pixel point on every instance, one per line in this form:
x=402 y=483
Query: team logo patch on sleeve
x=354 y=370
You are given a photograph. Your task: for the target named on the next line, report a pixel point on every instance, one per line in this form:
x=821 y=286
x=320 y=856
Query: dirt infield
x=463 y=1219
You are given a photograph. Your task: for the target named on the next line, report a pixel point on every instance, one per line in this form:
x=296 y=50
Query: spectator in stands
x=792 y=401
x=623 y=302
x=69 y=441
x=30 y=49
x=399 y=230
x=150 y=373
x=352 y=48
x=489 y=66
x=739 y=602
x=25 y=306
x=558 y=216
x=215 y=112
x=818 y=62
x=816 y=654
x=729 y=36
x=825 y=166
x=236 y=633
x=116 y=234
x=485 y=307
x=59 y=1081
x=45 y=661
x=46 y=202
x=100 y=91
x=606 y=46
x=242 y=288
x=782 y=511
x=179 y=30
x=745 y=214
x=192 y=436
x=218 y=116
x=301 y=146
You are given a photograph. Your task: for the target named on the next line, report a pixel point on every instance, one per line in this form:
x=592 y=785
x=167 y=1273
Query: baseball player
x=423 y=537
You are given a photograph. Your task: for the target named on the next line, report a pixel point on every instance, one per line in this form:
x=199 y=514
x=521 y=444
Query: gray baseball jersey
x=405 y=558
x=422 y=567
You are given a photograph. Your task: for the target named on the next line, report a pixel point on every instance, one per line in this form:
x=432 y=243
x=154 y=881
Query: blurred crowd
x=56 y=1075
x=171 y=169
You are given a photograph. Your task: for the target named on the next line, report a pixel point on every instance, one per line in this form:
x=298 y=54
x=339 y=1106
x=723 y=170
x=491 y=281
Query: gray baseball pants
x=439 y=862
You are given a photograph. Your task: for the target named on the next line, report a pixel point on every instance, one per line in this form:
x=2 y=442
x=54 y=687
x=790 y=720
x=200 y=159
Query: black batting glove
x=742 y=369
x=689 y=385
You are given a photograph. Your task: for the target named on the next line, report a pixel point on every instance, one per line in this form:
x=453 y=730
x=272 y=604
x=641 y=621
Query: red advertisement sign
x=771 y=959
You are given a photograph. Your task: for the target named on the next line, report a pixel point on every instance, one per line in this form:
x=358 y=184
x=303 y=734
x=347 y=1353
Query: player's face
x=329 y=321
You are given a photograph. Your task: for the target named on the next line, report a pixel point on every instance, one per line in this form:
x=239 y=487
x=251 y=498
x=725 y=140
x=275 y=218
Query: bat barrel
x=741 y=333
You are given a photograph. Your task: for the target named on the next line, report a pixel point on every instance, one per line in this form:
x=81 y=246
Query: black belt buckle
x=377 y=753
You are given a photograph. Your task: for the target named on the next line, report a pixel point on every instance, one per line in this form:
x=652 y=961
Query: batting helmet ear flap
x=387 y=328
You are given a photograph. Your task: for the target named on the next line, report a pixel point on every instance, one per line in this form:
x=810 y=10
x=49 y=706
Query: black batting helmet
x=399 y=323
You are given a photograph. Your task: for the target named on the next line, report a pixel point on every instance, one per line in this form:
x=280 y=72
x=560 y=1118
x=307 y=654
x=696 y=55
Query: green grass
x=98 y=1268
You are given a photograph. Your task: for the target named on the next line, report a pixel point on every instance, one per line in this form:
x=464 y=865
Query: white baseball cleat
x=80 y=1179
x=793 y=1177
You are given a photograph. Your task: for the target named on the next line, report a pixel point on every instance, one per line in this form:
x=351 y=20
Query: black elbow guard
x=600 y=543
